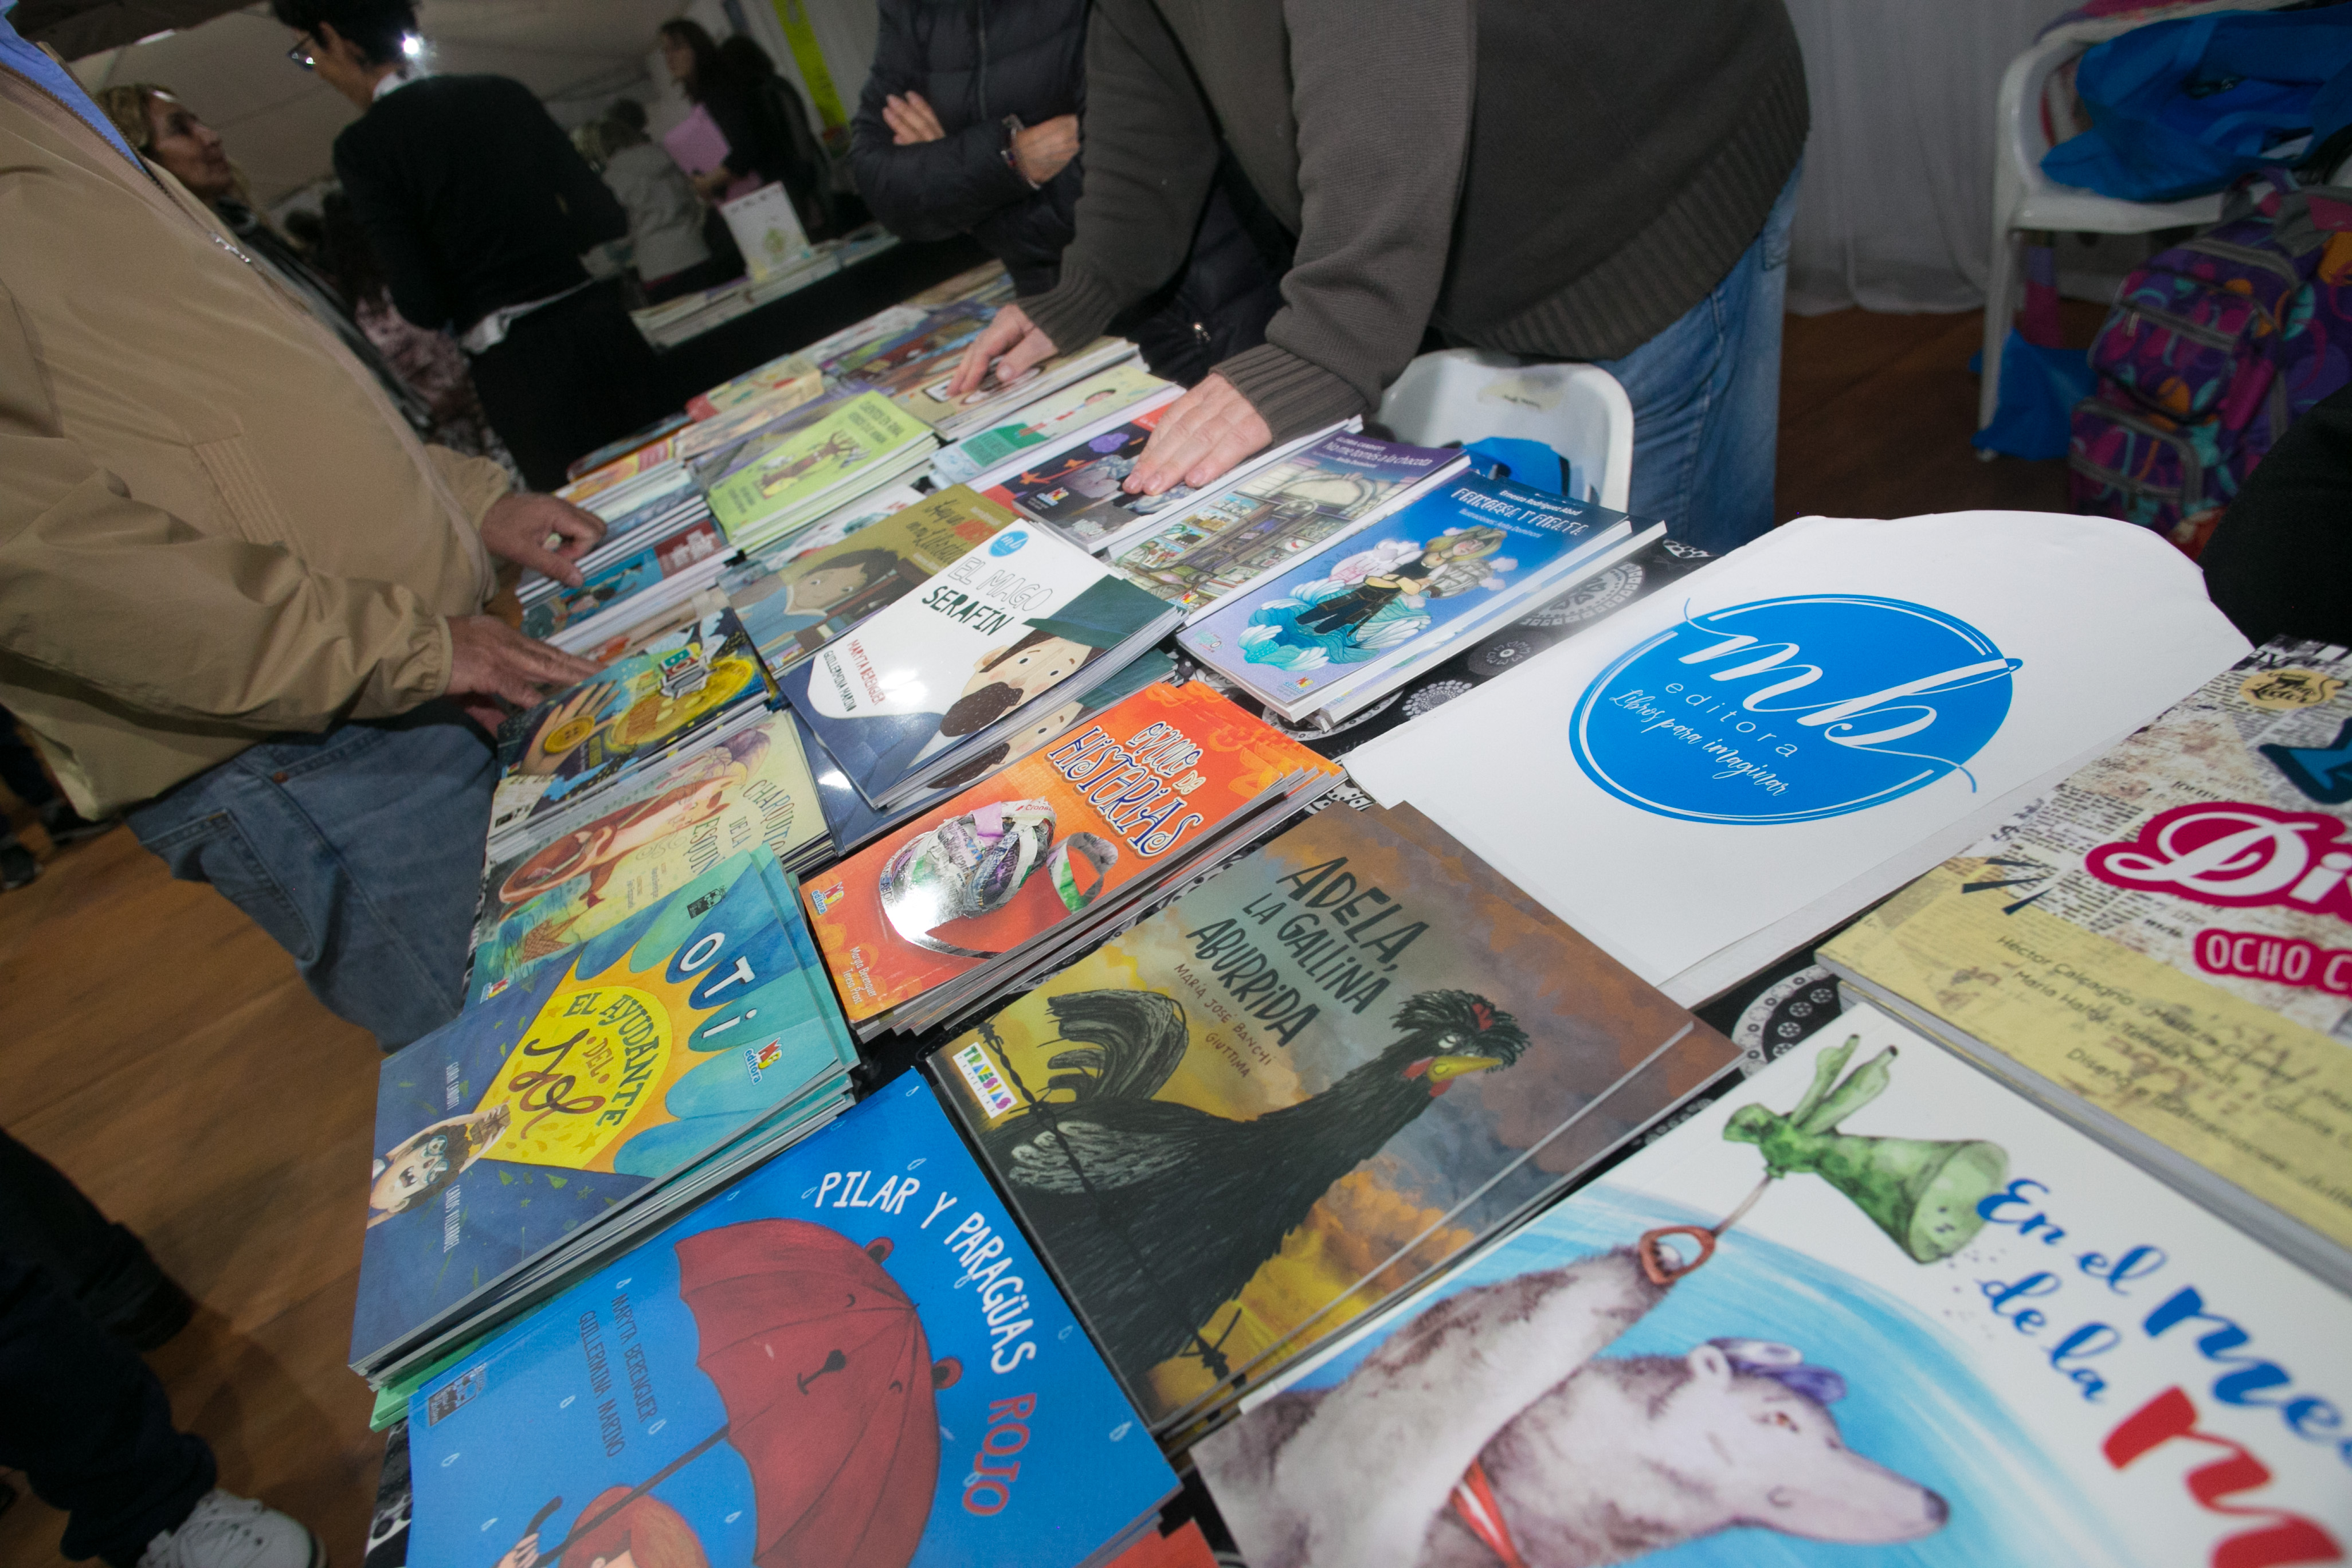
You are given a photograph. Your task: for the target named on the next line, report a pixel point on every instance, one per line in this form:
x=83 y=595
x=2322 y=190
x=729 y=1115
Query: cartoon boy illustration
x=800 y=597
x=643 y=1532
x=424 y=1162
x=1452 y=562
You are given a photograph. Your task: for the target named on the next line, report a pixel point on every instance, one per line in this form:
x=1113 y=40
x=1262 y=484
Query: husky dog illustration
x=1484 y=1432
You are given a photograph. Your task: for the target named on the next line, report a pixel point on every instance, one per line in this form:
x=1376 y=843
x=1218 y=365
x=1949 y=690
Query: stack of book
x=1075 y=414
x=1299 y=1089
x=920 y=386
x=560 y=762
x=559 y=887
x=1344 y=627
x=659 y=554
x=1035 y=861
x=849 y=1357
x=586 y=1101
x=613 y=451
x=820 y=466
x=1012 y=631
x=789 y=379
x=2157 y=950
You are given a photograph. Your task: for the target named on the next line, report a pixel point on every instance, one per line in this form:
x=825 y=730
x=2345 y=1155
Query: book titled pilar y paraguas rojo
x=1328 y=1069
x=1139 y=790
x=561 y=1099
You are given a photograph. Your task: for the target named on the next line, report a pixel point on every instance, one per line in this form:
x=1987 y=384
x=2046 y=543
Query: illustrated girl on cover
x=426 y=1161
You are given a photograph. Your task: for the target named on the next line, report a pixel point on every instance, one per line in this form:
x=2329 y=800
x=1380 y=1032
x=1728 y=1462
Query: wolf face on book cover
x=849 y=1359
x=1329 y=1068
x=1871 y=1310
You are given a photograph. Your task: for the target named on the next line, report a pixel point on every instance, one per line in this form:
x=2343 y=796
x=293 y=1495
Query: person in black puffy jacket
x=970 y=123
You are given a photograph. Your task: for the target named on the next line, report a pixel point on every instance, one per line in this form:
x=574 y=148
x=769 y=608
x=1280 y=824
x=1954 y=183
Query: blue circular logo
x=1791 y=709
x=1005 y=544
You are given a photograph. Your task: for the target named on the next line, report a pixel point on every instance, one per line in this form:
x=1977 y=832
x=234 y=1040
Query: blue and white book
x=1325 y=634
x=849 y=1357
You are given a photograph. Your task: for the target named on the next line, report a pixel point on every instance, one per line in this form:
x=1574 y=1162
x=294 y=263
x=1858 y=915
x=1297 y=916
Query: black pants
x=568 y=378
x=80 y=1412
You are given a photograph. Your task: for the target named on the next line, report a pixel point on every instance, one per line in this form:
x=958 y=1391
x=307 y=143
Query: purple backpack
x=2213 y=349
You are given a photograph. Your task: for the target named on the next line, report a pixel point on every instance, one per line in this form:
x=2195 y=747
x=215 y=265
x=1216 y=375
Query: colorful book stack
x=788 y=380
x=1078 y=413
x=582 y=1103
x=849 y=1358
x=1344 y=625
x=1037 y=860
x=2156 y=951
x=923 y=388
x=862 y=445
x=565 y=759
x=1871 y=1308
x=1300 y=1088
x=660 y=547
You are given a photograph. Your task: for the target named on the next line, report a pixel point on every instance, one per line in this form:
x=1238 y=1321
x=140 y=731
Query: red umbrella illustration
x=821 y=1361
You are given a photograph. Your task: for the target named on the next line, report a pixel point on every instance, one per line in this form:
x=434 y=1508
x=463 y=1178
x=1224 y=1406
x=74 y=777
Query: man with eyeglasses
x=478 y=207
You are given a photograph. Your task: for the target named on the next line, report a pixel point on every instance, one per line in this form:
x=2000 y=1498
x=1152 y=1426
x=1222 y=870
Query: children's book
x=681 y=560
x=1870 y=1308
x=1722 y=773
x=535 y=1116
x=854 y=448
x=767 y=231
x=1079 y=489
x=570 y=750
x=552 y=894
x=1327 y=1070
x=783 y=382
x=1120 y=806
x=2160 y=948
x=1050 y=420
x=920 y=355
x=613 y=451
x=795 y=607
x=849 y=1358
x=1459 y=558
x=989 y=283
x=1276 y=512
x=1024 y=621
x=830 y=354
x=956 y=417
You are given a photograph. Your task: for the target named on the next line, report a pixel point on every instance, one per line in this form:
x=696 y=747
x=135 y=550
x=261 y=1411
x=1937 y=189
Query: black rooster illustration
x=1157 y=1213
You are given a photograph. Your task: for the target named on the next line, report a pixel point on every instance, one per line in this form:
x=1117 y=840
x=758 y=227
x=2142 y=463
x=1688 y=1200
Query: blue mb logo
x=1791 y=709
x=1008 y=542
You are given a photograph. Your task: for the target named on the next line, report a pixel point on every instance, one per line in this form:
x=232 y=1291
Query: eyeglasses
x=303 y=53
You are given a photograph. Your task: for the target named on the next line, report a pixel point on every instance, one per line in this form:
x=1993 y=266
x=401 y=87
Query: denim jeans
x=359 y=850
x=1706 y=399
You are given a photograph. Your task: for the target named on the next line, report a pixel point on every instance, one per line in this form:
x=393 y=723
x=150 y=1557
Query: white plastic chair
x=1467 y=394
x=2024 y=198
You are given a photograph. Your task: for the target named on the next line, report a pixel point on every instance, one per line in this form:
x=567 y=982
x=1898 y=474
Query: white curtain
x=1896 y=212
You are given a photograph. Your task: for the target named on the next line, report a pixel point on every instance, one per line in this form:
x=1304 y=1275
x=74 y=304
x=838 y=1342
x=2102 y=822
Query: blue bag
x=2181 y=107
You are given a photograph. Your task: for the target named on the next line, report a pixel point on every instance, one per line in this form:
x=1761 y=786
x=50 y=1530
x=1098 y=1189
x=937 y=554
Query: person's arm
x=1382 y=95
x=411 y=273
x=477 y=482
x=120 y=599
x=928 y=190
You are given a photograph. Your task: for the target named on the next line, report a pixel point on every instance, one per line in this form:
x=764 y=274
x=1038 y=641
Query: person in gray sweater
x=1601 y=180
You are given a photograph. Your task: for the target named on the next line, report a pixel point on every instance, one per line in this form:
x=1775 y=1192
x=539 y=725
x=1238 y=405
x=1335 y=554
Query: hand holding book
x=1204 y=434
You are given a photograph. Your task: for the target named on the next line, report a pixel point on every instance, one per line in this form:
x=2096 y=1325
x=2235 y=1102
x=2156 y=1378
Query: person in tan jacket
x=239 y=601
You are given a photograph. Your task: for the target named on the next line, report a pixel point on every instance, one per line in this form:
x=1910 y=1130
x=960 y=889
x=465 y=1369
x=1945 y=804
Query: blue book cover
x=577 y=1086
x=1416 y=576
x=849 y=1358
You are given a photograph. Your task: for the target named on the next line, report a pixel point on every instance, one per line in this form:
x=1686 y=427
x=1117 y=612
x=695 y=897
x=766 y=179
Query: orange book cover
x=1035 y=845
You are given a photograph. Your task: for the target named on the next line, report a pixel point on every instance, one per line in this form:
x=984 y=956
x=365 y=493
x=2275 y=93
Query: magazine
x=1348 y=1057
x=847 y=1358
x=1870 y=1310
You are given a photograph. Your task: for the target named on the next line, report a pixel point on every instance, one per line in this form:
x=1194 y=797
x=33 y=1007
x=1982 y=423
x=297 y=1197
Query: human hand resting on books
x=1203 y=433
x=542 y=533
x=489 y=660
x=1013 y=340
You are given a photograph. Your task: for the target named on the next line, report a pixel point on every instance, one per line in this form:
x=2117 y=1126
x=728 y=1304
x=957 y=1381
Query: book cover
x=1412 y=576
x=1006 y=625
x=581 y=1085
x=626 y=446
x=1048 y=421
x=547 y=898
x=833 y=353
x=848 y=1358
x=1331 y=1067
x=1279 y=512
x=1870 y=1310
x=815 y=458
x=707 y=445
x=2166 y=936
x=1080 y=491
x=929 y=349
x=619 y=581
x=588 y=737
x=955 y=417
x=767 y=230
x=1803 y=725
x=784 y=382
x=793 y=609
x=1035 y=845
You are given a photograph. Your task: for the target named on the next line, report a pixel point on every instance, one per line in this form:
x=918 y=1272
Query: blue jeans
x=359 y=850
x=1706 y=399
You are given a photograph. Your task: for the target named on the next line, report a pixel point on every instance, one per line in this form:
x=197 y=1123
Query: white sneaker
x=224 y=1531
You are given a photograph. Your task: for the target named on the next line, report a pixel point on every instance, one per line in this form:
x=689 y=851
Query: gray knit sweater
x=1557 y=178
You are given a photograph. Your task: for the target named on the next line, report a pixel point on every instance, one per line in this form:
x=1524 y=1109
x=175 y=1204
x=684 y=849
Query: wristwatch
x=1012 y=127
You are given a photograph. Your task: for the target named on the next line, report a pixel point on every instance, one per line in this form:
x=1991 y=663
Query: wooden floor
x=161 y=1050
